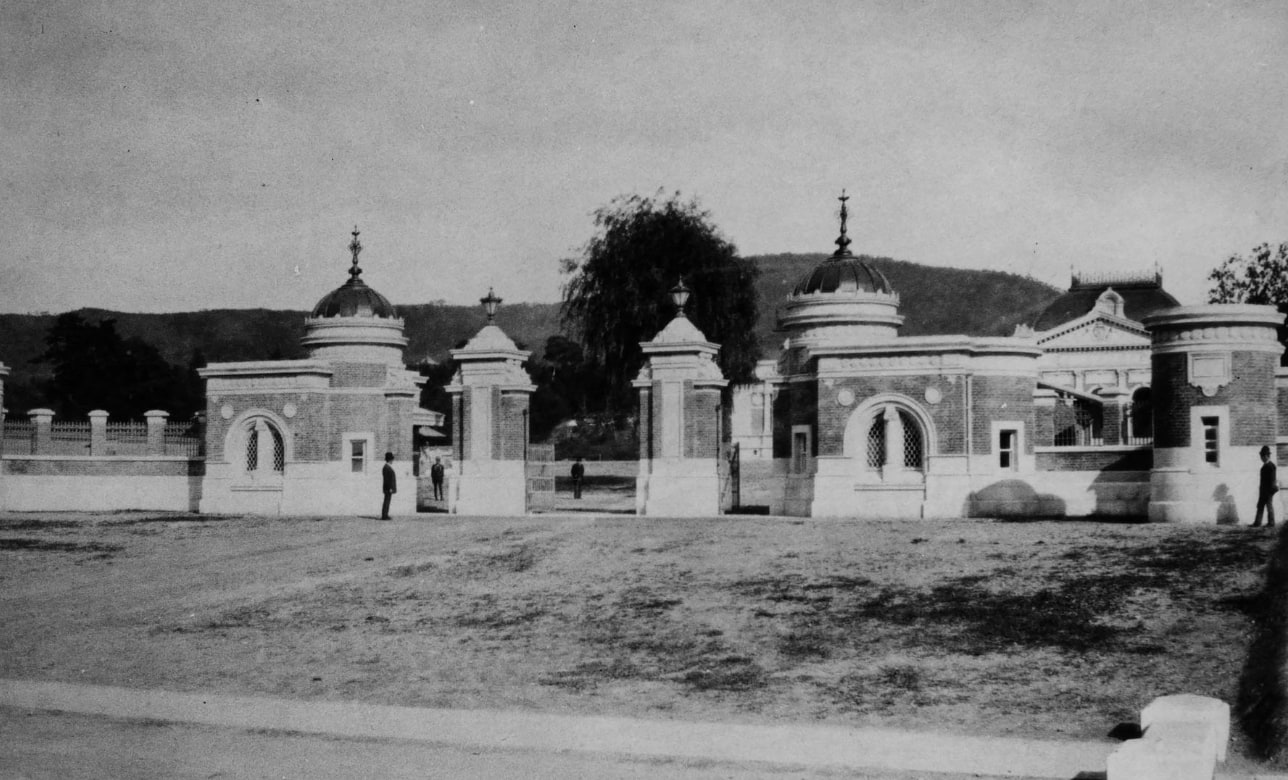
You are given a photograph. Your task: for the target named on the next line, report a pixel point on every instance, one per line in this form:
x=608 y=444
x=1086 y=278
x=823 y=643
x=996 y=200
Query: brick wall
x=460 y=433
x=797 y=404
x=103 y=467
x=513 y=426
x=646 y=423
x=1000 y=398
x=702 y=413
x=359 y=374
x=1250 y=395
x=308 y=430
x=1096 y=460
x=948 y=415
x=366 y=412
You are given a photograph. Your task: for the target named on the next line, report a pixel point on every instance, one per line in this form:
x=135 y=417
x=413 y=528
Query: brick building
x=310 y=436
x=1059 y=419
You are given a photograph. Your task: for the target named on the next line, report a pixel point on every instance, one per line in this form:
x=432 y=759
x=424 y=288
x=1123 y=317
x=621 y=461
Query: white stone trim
x=1197 y=460
x=1023 y=461
x=346 y=454
x=854 y=440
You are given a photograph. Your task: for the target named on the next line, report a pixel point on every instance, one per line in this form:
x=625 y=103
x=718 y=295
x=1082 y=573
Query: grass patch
x=46 y=545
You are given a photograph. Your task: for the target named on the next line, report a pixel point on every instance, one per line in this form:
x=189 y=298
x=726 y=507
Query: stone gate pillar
x=680 y=388
x=1214 y=399
x=490 y=395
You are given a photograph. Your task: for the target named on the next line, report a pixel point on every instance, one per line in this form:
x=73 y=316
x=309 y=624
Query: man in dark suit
x=1266 y=489
x=390 y=484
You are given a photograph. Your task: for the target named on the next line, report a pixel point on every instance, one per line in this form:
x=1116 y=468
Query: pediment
x=1095 y=330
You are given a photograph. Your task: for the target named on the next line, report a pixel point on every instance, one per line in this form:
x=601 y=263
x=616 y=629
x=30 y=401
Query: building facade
x=1115 y=401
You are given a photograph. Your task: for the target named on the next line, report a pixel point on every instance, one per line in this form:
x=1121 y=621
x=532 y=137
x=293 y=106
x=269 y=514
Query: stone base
x=1213 y=496
x=489 y=487
x=307 y=489
x=679 y=487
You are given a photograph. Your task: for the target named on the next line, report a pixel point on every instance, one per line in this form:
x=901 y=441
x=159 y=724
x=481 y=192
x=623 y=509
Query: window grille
x=252 y=450
x=279 y=450
x=1211 y=440
x=876 y=442
x=1140 y=418
x=912 y=445
x=1082 y=429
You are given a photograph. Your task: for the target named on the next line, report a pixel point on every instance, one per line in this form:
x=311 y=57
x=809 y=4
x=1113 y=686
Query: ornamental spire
x=843 y=241
x=355 y=247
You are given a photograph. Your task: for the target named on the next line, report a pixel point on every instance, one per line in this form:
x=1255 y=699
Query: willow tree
x=616 y=292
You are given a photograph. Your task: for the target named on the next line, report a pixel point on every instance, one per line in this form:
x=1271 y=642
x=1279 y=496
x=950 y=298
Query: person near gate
x=390 y=486
x=1266 y=489
x=578 y=474
x=436 y=477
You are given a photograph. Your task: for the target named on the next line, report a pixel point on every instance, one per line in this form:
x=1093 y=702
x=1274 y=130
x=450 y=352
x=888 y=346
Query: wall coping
x=110 y=458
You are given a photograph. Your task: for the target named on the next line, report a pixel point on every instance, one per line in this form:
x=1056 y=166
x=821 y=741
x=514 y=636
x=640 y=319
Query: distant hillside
x=932 y=300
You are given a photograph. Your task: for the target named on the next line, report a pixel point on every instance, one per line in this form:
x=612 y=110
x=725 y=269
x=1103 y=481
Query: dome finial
x=355 y=247
x=843 y=241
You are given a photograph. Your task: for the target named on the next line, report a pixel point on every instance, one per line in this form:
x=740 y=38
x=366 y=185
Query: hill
x=933 y=300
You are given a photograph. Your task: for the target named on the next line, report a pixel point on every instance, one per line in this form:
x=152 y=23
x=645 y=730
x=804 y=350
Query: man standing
x=578 y=474
x=436 y=476
x=1266 y=490
x=390 y=484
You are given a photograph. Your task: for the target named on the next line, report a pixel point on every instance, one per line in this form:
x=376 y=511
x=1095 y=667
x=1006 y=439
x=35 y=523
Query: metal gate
x=540 y=473
x=729 y=467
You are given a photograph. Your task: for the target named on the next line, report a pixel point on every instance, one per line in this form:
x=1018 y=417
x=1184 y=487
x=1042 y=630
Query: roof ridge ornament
x=843 y=241
x=355 y=247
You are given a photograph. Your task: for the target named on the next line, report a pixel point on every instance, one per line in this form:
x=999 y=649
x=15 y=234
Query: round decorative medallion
x=933 y=396
x=1100 y=331
x=845 y=397
x=226 y=411
x=289 y=409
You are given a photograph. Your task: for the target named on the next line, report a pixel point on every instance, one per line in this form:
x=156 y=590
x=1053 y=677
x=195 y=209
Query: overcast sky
x=174 y=155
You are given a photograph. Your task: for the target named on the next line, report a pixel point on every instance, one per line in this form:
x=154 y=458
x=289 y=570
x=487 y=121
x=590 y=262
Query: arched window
x=893 y=435
x=1140 y=417
x=265 y=450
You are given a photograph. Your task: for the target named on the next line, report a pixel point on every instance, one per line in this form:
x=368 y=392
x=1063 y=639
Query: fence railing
x=40 y=434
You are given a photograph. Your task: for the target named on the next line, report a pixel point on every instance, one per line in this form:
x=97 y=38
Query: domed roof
x=354 y=298
x=843 y=272
x=1141 y=295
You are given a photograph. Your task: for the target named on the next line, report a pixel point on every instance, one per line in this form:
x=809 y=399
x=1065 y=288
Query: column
x=156 y=431
x=490 y=396
x=680 y=476
x=98 y=432
x=1214 y=402
x=42 y=437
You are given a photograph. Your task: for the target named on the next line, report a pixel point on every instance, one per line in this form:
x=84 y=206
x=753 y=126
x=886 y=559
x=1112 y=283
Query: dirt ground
x=1041 y=629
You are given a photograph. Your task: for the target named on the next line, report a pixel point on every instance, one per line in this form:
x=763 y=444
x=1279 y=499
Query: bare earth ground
x=1043 y=630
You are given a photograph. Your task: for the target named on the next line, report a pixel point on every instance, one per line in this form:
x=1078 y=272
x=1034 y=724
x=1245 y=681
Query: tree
x=95 y=368
x=616 y=294
x=1261 y=278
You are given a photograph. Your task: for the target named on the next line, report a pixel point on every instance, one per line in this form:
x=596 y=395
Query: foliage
x=934 y=300
x=95 y=368
x=616 y=295
x=1260 y=278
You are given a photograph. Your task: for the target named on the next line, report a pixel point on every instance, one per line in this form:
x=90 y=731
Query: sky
x=176 y=156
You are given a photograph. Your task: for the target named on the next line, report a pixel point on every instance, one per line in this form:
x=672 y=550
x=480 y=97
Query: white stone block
x=1213 y=714
x=1168 y=751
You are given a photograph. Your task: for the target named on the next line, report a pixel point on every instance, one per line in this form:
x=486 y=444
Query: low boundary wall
x=54 y=483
